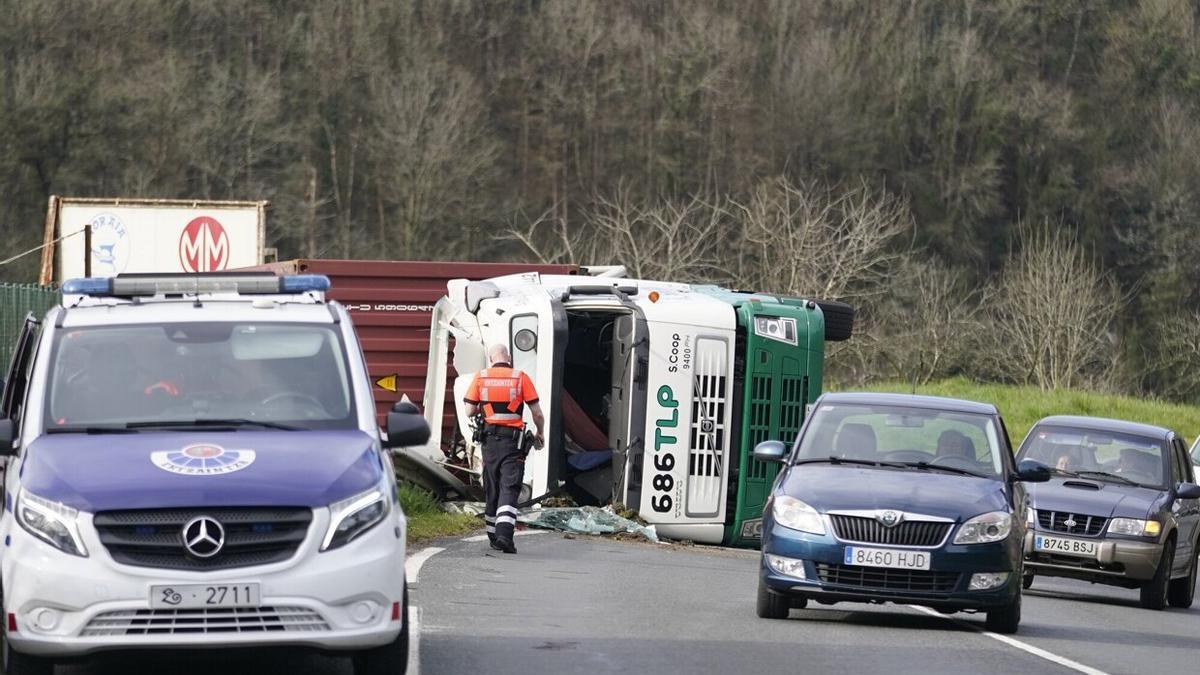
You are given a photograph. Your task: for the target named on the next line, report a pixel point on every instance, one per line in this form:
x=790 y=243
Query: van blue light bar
x=131 y=285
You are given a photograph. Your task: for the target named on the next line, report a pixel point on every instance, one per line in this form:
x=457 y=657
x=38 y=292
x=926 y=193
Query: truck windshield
x=916 y=439
x=198 y=374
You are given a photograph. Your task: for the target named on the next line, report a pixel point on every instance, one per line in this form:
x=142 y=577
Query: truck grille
x=908 y=533
x=154 y=537
x=707 y=438
x=1056 y=521
x=888 y=579
x=178 y=621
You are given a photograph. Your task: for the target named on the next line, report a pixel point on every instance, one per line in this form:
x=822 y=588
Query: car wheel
x=16 y=663
x=1154 y=592
x=1005 y=619
x=390 y=659
x=772 y=605
x=1027 y=580
x=1181 y=591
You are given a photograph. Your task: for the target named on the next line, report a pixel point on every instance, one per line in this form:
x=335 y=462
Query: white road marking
x=1023 y=646
x=414 y=641
x=412 y=565
x=522 y=533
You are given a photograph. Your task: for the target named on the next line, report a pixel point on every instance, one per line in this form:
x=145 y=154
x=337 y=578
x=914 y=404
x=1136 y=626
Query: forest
x=1007 y=190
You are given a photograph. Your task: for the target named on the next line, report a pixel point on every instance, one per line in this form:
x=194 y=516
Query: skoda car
x=888 y=498
x=194 y=461
x=1121 y=509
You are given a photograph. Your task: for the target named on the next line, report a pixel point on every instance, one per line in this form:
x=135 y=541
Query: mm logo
x=203 y=246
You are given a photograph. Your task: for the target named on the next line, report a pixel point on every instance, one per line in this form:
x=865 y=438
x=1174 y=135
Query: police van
x=193 y=461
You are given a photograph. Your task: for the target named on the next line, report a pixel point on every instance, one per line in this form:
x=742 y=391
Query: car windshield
x=198 y=374
x=914 y=439
x=1100 y=455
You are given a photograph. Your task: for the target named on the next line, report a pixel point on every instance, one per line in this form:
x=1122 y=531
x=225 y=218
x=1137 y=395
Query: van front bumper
x=1117 y=561
x=65 y=606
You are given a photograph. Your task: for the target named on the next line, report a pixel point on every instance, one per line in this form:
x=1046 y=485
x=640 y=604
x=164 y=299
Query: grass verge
x=426 y=519
x=1022 y=406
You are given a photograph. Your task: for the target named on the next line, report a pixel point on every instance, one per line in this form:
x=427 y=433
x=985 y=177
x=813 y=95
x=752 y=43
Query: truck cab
x=655 y=392
x=193 y=461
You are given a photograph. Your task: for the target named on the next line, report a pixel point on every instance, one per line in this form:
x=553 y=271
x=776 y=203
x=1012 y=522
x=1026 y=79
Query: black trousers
x=503 y=468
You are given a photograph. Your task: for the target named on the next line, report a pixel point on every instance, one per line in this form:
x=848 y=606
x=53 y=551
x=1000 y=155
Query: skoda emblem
x=889 y=518
x=203 y=537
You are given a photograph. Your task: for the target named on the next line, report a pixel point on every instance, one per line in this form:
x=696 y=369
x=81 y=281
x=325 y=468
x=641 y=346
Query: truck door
x=627 y=409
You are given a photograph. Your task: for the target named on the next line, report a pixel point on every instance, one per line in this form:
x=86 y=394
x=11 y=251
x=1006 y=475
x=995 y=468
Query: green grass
x=426 y=520
x=1022 y=406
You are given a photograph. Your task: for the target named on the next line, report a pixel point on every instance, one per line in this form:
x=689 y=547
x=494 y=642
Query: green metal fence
x=17 y=300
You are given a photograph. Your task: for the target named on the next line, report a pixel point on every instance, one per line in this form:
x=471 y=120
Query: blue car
x=896 y=498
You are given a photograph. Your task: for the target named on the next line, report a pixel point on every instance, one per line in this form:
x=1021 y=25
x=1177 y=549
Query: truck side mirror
x=405 y=426
x=1188 y=491
x=1032 y=471
x=770 y=451
x=7 y=432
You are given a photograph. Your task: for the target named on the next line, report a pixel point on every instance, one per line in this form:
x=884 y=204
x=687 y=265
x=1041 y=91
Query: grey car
x=1123 y=507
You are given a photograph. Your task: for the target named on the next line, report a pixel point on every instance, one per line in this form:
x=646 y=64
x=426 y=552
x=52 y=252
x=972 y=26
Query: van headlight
x=796 y=515
x=354 y=516
x=50 y=521
x=985 y=529
x=1134 y=527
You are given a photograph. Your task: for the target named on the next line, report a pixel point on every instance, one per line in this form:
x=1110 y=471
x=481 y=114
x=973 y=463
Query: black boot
x=505 y=545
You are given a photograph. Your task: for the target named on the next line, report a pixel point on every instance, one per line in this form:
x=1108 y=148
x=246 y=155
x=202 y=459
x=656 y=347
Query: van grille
x=908 y=533
x=154 y=537
x=1057 y=521
x=231 y=620
x=888 y=579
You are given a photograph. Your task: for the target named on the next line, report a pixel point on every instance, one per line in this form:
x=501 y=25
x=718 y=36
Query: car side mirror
x=406 y=426
x=7 y=432
x=770 y=451
x=1187 y=491
x=1032 y=471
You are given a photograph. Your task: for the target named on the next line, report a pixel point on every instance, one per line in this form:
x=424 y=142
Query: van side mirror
x=770 y=451
x=7 y=432
x=1188 y=491
x=1031 y=471
x=406 y=426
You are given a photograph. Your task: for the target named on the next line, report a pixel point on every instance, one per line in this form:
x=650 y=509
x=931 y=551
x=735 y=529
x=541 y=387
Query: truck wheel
x=1181 y=591
x=772 y=605
x=390 y=659
x=839 y=319
x=16 y=663
x=1154 y=592
x=1005 y=619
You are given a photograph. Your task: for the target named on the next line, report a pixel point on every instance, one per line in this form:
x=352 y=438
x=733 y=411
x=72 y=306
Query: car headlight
x=50 y=521
x=796 y=515
x=1134 y=527
x=355 y=515
x=985 y=528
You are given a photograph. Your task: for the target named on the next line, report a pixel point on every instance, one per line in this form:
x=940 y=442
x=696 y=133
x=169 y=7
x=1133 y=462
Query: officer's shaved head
x=499 y=354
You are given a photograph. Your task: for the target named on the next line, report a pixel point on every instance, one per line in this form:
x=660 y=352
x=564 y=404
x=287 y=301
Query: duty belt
x=501 y=431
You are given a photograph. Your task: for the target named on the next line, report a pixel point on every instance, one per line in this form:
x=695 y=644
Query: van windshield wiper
x=212 y=422
x=91 y=430
x=845 y=460
x=926 y=466
x=1104 y=475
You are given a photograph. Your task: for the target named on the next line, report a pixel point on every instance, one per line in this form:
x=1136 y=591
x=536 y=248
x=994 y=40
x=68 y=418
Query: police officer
x=503 y=393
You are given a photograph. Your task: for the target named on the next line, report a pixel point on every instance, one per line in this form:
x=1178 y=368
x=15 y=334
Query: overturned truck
x=655 y=392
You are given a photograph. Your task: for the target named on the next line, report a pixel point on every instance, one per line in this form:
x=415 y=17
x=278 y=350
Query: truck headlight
x=355 y=515
x=1134 y=527
x=985 y=528
x=796 y=515
x=50 y=521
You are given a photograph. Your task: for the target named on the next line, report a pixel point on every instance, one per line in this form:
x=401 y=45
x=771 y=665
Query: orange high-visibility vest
x=502 y=393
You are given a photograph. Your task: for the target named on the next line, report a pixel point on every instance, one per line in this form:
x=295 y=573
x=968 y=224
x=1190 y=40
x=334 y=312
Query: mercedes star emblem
x=203 y=537
x=889 y=518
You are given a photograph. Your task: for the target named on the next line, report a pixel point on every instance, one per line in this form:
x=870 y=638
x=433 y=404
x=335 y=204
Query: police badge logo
x=202 y=459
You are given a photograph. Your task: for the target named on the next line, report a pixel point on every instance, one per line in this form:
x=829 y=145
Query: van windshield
x=196 y=374
x=917 y=439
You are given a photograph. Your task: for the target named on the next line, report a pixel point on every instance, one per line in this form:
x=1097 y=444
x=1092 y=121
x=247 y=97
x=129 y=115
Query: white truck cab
x=193 y=461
